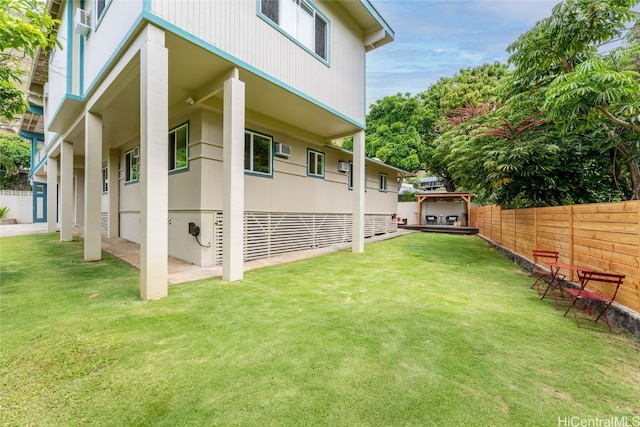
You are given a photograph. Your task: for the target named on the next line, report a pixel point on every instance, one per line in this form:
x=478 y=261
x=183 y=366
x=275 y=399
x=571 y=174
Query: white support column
x=66 y=192
x=233 y=180
x=359 y=182
x=92 y=187
x=52 y=194
x=154 y=180
x=113 y=188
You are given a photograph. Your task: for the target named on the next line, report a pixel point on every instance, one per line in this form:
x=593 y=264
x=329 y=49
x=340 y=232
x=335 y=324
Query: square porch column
x=52 y=194
x=233 y=179
x=92 y=187
x=154 y=158
x=359 y=182
x=66 y=191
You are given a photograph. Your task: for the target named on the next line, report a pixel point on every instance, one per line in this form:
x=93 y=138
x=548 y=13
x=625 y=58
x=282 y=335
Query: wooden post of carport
x=420 y=200
x=467 y=198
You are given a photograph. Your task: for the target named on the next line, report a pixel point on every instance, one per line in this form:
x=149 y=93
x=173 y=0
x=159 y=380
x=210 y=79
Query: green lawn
x=424 y=329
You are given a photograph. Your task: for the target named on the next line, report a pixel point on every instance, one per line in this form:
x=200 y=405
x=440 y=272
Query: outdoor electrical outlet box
x=194 y=230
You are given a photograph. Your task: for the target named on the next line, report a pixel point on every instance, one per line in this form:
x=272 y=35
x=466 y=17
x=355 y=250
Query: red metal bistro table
x=556 y=278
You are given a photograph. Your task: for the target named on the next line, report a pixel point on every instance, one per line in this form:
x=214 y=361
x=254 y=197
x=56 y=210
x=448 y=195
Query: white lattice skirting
x=271 y=234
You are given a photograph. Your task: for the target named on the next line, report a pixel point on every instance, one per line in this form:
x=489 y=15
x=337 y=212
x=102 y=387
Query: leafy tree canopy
x=15 y=157
x=583 y=91
x=573 y=32
x=25 y=26
x=396 y=127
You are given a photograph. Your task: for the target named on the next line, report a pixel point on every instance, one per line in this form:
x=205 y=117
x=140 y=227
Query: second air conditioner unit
x=283 y=149
x=82 y=22
x=343 y=166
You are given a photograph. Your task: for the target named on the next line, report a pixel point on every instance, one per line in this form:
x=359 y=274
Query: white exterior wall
x=195 y=194
x=104 y=40
x=130 y=223
x=20 y=204
x=442 y=209
x=290 y=189
x=409 y=210
x=235 y=28
x=57 y=80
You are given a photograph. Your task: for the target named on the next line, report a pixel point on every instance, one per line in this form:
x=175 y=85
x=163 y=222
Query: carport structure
x=443 y=197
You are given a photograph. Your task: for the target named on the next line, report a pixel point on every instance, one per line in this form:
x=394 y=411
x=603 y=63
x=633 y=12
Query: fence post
x=535 y=228
x=571 y=240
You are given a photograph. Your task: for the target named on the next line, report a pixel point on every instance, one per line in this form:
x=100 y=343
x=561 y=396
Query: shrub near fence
x=603 y=236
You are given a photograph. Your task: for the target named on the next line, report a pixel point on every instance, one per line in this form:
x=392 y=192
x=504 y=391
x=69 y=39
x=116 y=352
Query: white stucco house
x=202 y=129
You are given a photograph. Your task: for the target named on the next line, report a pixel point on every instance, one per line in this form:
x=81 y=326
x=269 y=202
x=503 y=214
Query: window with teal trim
x=258 y=153
x=301 y=20
x=131 y=165
x=179 y=148
x=315 y=163
x=101 y=6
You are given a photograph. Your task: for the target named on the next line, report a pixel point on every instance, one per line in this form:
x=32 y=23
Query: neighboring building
x=432 y=183
x=201 y=129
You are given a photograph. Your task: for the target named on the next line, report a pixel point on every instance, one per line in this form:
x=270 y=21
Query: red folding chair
x=541 y=270
x=595 y=303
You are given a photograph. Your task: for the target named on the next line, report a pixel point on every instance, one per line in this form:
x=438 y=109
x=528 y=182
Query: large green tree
x=396 y=128
x=25 y=27
x=15 y=156
x=583 y=91
x=450 y=103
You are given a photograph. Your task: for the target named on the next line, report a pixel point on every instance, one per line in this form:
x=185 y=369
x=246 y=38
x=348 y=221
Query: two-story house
x=202 y=129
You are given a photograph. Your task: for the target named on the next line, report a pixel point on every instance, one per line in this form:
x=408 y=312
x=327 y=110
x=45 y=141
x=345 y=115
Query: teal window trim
x=315 y=158
x=129 y=165
x=173 y=151
x=69 y=47
x=317 y=14
x=100 y=14
x=251 y=167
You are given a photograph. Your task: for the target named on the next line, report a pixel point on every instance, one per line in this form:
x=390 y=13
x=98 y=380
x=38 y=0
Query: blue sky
x=437 y=38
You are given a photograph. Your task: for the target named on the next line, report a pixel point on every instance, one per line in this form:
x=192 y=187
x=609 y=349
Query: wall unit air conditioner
x=82 y=22
x=283 y=149
x=343 y=166
x=136 y=152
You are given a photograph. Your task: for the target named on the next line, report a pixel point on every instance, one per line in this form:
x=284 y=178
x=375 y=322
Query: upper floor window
x=301 y=20
x=179 y=148
x=101 y=6
x=258 y=153
x=131 y=164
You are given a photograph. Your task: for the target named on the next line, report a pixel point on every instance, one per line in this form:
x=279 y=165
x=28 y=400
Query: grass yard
x=424 y=329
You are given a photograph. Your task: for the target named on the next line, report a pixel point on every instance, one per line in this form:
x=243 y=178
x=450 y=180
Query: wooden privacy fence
x=603 y=236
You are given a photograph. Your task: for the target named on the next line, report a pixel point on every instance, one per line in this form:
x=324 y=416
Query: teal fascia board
x=374 y=12
x=36 y=110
